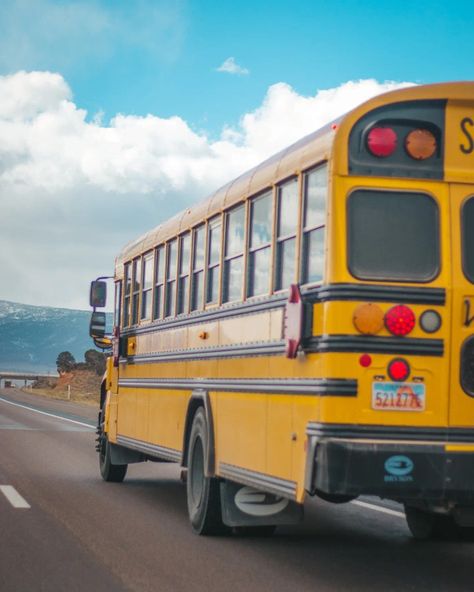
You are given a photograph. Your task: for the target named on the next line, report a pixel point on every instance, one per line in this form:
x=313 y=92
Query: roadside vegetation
x=76 y=381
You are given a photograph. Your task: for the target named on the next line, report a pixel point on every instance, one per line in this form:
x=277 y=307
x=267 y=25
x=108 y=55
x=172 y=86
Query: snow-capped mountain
x=31 y=337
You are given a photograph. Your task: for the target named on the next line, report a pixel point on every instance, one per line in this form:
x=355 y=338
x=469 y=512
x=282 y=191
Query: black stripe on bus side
x=324 y=387
x=150 y=449
x=387 y=432
x=258 y=480
x=405 y=294
x=371 y=344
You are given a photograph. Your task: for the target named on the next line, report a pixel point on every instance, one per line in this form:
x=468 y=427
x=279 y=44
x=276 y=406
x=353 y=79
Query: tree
x=95 y=361
x=65 y=362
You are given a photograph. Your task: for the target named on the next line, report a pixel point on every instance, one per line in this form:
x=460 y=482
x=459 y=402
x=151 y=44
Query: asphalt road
x=80 y=533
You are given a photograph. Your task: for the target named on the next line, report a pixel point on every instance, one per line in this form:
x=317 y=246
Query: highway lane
x=83 y=534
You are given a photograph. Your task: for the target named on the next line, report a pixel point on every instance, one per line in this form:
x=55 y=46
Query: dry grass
x=84 y=387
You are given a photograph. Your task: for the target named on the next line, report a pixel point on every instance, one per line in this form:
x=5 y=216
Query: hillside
x=31 y=337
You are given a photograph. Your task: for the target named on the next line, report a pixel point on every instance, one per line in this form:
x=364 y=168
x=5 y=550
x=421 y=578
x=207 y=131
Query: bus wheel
x=203 y=493
x=421 y=524
x=111 y=473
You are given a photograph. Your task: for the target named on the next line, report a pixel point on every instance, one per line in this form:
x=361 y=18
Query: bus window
x=214 y=246
x=171 y=279
x=286 y=234
x=137 y=280
x=117 y=301
x=314 y=219
x=234 y=254
x=393 y=236
x=127 y=295
x=147 y=285
x=159 y=281
x=198 y=269
x=467 y=223
x=260 y=245
x=183 y=285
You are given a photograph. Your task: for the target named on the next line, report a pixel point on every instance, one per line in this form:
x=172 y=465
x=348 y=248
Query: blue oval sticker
x=399 y=465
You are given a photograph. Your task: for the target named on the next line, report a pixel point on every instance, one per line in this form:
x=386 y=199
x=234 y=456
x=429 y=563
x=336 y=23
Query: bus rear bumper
x=401 y=471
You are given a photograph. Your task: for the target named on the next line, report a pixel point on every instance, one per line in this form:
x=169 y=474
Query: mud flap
x=124 y=456
x=246 y=506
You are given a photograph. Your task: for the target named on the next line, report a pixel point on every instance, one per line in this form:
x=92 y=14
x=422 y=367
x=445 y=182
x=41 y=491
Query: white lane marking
x=87 y=425
x=378 y=508
x=12 y=495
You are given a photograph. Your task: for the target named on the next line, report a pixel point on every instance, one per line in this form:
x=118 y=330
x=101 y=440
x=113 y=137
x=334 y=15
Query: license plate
x=398 y=396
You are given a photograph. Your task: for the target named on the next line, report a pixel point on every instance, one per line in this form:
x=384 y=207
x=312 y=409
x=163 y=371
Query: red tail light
x=398 y=370
x=382 y=141
x=400 y=320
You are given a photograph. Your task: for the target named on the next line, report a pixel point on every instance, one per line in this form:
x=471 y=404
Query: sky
x=116 y=114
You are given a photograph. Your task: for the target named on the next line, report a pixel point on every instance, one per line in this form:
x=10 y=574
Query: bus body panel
x=461 y=409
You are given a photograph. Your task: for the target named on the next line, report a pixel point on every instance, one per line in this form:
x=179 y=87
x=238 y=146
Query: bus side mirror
x=97 y=325
x=103 y=343
x=98 y=294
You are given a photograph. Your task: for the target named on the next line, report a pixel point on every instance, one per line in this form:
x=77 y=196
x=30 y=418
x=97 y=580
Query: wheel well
x=199 y=399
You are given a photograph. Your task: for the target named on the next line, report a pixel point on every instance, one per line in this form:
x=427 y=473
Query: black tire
x=109 y=472
x=428 y=525
x=267 y=530
x=203 y=493
x=420 y=523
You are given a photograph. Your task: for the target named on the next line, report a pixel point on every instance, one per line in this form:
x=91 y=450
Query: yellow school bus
x=309 y=328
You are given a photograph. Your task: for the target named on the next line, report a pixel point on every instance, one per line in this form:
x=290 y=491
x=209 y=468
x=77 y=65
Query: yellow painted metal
x=111 y=416
x=459 y=447
x=461 y=406
x=459 y=152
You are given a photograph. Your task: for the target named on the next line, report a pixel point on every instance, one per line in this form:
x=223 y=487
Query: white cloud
x=231 y=67
x=73 y=191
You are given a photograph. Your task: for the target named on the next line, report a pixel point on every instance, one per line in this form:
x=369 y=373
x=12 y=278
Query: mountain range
x=31 y=337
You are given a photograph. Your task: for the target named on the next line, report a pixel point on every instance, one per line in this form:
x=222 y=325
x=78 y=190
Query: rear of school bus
x=398 y=310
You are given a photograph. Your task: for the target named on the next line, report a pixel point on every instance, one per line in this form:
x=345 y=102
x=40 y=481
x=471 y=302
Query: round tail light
x=400 y=320
x=420 y=144
x=381 y=141
x=430 y=321
x=398 y=370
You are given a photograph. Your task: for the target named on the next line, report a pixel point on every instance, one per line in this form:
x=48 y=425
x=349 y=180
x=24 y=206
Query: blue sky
x=152 y=56
x=115 y=114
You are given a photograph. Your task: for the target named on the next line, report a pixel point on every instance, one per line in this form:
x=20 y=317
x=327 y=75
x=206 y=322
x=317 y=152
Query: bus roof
x=306 y=152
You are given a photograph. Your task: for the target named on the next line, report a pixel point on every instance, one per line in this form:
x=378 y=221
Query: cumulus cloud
x=231 y=67
x=74 y=190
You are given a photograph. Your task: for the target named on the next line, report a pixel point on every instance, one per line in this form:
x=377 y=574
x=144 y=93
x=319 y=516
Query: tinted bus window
x=198 y=268
x=171 y=279
x=260 y=245
x=147 y=282
x=234 y=254
x=286 y=234
x=314 y=220
x=128 y=294
x=214 y=246
x=183 y=285
x=159 y=281
x=393 y=236
x=137 y=280
x=467 y=224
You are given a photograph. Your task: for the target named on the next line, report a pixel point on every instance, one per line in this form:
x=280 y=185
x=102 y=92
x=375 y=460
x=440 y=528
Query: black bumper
x=396 y=470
